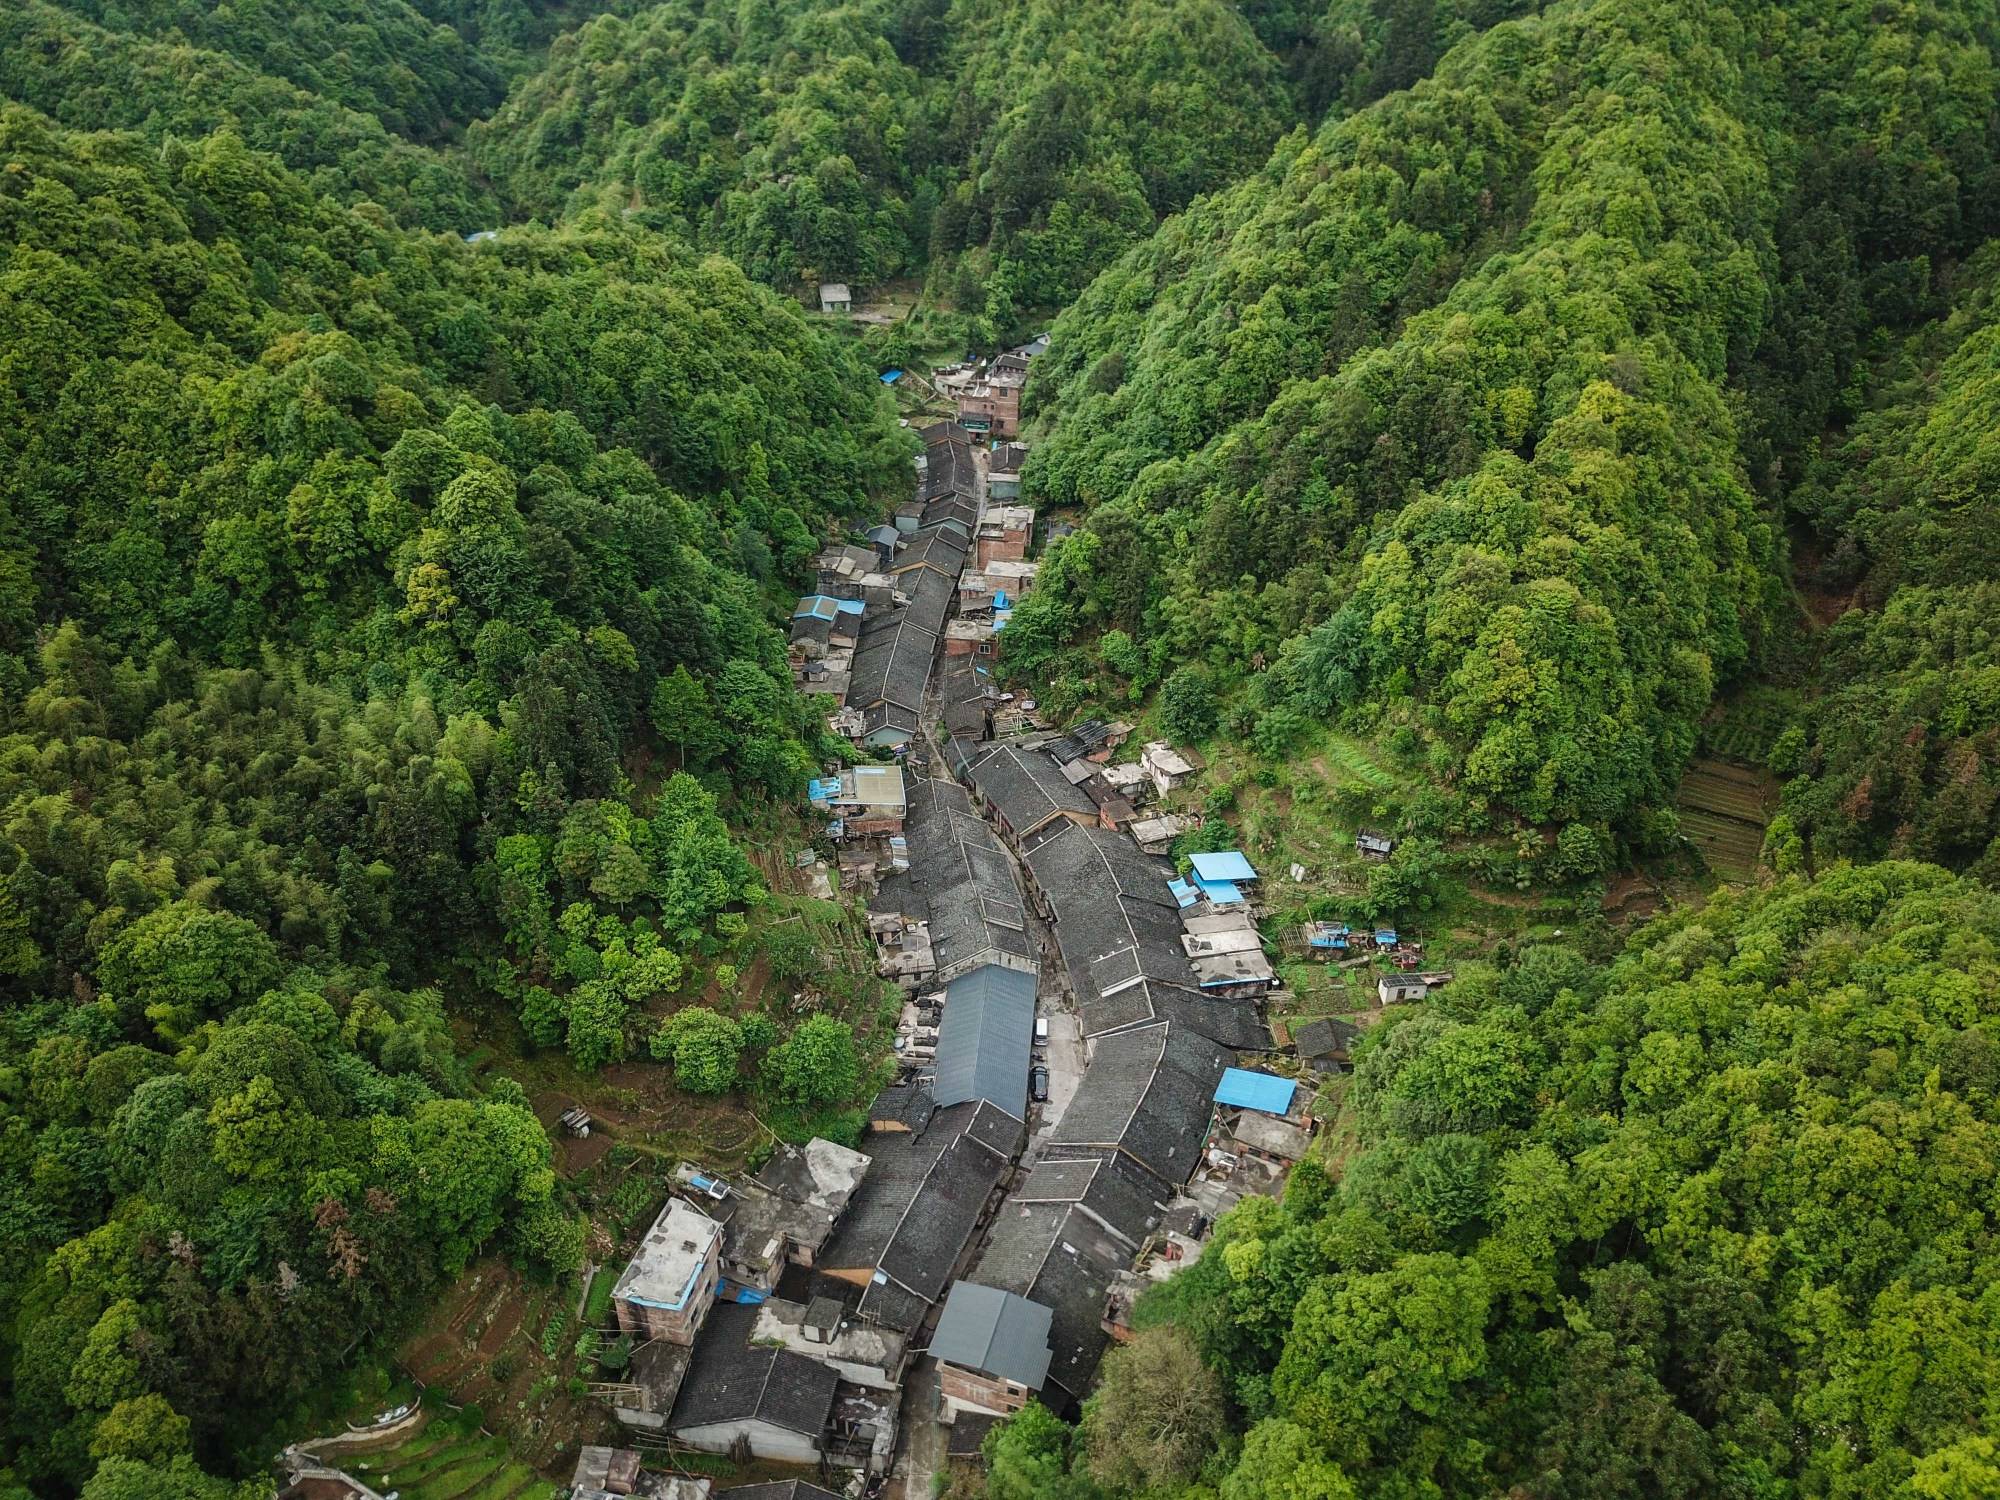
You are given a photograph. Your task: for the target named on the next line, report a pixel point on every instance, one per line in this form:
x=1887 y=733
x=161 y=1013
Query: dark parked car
x=1038 y=1083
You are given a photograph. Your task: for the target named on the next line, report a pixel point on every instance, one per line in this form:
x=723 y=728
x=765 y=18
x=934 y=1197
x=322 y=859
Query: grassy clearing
x=597 y=1301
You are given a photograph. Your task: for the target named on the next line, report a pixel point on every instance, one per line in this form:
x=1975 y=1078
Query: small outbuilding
x=1245 y=1088
x=834 y=297
x=1395 y=989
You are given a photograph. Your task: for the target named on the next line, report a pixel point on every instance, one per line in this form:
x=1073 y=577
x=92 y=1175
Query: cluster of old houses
x=1000 y=1235
x=987 y=393
x=941 y=578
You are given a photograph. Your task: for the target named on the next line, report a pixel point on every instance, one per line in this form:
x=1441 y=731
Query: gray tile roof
x=941 y=551
x=892 y=662
x=940 y=1218
x=1146 y=1093
x=1106 y=1185
x=931 y=595
x=1120 y=931
x=1057 y=1255
x=1025 y=787
x=997 y=1333
x=984 y=1038
x=917 y=1208
x=734 y=1380
x=1007 y=459
x=1325 y=1038
x=943 y=432
x=961 y=881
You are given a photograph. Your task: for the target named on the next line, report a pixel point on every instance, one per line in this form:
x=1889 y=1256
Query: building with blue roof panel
x=1225 y=866
x=1241 y=1088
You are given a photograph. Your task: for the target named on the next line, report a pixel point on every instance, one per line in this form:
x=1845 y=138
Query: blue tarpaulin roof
x=1325 y=936
x=1385 y=937
x=1228 y=864
x=1260 y=1091
x=890 y=377
x=818 y=790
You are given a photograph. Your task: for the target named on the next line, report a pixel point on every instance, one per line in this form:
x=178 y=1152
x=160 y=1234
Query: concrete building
x=1395 y=989
x=834 y=297
x=1169 y=769
x=783 y=1215
x=868 y=800
x=992 y=1349
x=859 y=1353
x=667 y=1290
x=1005 y=533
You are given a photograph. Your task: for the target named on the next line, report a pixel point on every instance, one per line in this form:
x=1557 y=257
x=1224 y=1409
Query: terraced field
x=1723 y=810
x=443 y=1464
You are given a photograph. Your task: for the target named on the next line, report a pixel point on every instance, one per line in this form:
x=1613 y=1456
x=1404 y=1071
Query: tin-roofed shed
x=1243 y=1088
x=1228 y=865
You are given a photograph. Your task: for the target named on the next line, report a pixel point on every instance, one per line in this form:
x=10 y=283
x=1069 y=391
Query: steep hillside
x=1900 y=751
x=1441 y=417
x=861 y=141
x=1662 y=1227
x=335 y=556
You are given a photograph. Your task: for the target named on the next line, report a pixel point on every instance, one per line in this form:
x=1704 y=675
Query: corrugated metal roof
x=995 y=1332
x=1245 y=1089
x=1226 y=865
x=984 y=1038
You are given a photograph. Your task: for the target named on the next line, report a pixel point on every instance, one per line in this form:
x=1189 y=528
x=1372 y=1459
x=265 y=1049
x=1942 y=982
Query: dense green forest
x=1473 y=412
x=1715 y=1218
x=1005 y=151
x=389 y=637
x=346 y=567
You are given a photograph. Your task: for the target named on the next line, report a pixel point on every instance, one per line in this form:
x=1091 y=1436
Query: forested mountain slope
x=1452 y=413
x=1008 y=150
x=1714 y=1220
x=856 y=142
x=335 y=555
x=1900 y=748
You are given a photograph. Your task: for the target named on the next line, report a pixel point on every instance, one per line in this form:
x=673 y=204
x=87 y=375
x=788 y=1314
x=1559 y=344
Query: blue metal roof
x=1184 y=893
x=1385 y=937
x=1259 y=1091
x=1228 y=864
x=1217 y=892
x=816 y=607
x=890 y=377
